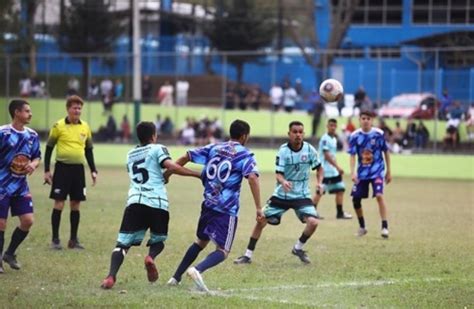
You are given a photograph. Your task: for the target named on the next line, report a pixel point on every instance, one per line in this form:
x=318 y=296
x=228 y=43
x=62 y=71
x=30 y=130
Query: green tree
x=88 y=26
x=240 y=26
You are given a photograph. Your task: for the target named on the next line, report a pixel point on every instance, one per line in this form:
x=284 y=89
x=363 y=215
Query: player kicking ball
x=369 y=145
x=332 y=181
x=147 y=203
x=294 y=163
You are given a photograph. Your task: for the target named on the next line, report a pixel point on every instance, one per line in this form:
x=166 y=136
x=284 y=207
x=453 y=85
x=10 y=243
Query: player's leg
x=307 y=215
x=76 y=195
x=59 y=192
x=55 y=223
x=360 y=191
x=341 y=214
x=74 y=218
x=316 y=198
x=158 y=223
x=377 y=188
x=3 y=226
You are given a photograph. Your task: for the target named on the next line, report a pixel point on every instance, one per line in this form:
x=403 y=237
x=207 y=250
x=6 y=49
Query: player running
x=294 y=163
x=147 y=203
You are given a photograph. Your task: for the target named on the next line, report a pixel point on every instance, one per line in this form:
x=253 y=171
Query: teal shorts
x=333 y=185
x=276 y=207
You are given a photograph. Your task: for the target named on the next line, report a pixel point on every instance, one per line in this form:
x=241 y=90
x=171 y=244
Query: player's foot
x=56 y=244
x=243 y=260
x=11 y=260
x=151 y=271
x=197 y=278
x=75 y=244
x=108 y=283
x=172 y=282
x=301 y=254
x=384 y=233
x=361 y=232
x=344 y=216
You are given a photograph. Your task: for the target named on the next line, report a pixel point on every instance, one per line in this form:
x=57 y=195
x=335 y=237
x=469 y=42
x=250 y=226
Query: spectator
x=182 y=88
x=410 y=134
x=147 y=89
x=276 y=96
x=289 y=97
x=158 y=124
x=387 y=132
x=188 y=134
x=230 y=97
x=118 y=90
x=73 y=86
x=255 y=95
x=106 y=93
x=421 y=136
x=165 y=94
x=93 y=90
x=111 y=127
x=347 y=131
x=398 y=134
x=125 y=129
x=446 y=102
x=25 y=87
x=317 y=109
x=362 y=101
x=470 y=123
x=167 y=127
x=242 y=93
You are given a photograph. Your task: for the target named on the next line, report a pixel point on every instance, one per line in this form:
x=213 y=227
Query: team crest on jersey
x=372 y=141
x=304 y=158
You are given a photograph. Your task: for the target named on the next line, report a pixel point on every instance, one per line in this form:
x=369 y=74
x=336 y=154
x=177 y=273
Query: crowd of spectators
x=200 y=132
x=32 y=87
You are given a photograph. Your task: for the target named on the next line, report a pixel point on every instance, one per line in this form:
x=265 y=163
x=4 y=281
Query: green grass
x=264 y=123
x=426 y=263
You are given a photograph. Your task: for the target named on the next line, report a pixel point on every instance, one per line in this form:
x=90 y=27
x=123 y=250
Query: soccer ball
x=331 y=90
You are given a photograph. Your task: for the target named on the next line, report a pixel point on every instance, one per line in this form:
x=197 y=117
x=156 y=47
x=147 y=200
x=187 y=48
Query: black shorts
x=137 y=219
x=68 y=179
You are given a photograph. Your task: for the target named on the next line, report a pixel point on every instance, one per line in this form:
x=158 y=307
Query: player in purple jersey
x=369 y=145
x=19 y=156
x=225 y=165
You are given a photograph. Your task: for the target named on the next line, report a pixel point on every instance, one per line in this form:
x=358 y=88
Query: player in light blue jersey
x=147 y=202
x=369 y=145
x=294 y=163
x=19 y=157
x=225 y=166
x=332 y=181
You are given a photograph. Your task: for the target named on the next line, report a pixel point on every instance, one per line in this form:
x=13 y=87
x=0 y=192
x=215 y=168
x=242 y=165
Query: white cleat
x=197 y=278
x=361 y=232
x=172 y=282
x=384 y=233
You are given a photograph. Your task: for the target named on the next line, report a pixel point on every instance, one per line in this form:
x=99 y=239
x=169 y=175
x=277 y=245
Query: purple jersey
x=369 y=148
x=16 y=145
x=225 y=164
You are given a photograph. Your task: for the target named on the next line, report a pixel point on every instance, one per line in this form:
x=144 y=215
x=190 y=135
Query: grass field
x=426 y=263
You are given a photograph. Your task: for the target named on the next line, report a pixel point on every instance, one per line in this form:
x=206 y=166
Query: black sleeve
x=90 y=159
x=47 y=158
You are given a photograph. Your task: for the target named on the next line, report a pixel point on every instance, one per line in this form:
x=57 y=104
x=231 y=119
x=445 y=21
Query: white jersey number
x=221 y=169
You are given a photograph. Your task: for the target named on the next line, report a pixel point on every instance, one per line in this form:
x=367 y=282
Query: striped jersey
x=225 y=165
x=328 y=143
x=16 y=146
x=369 y=148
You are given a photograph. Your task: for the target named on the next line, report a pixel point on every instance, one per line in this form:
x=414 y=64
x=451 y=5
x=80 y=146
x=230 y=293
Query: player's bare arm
x=319 y=178
x=174 y=168
x=332 y=161
x=352 y=167
x=32 y=166
x=181 y=161
x=287 y=185
x=388 y=174
x=254 y=185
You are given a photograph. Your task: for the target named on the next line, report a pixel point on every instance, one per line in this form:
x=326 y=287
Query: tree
x=240 y=26
x=88 y=26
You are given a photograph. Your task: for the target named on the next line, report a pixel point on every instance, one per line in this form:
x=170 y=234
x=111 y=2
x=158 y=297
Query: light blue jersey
x=328 y=143
x=147 y=186
x=296 y=166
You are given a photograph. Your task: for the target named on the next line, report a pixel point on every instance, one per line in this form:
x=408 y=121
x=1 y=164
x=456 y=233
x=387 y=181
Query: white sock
x=248 y=253
x=299 y=245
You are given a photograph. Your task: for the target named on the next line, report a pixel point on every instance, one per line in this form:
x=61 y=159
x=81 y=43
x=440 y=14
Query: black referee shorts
x=68 y=179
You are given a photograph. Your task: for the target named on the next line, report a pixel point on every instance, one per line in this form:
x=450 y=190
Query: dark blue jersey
x=16 y=148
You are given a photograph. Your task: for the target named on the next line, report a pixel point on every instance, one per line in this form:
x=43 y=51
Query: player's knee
x=357 y=202
x=261 y=224
x=312 y=222
x=226 y=253
x=3 y=224
x=379 y=198
x=26 y=223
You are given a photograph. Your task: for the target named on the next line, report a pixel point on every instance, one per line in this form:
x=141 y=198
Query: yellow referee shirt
x=71 y=139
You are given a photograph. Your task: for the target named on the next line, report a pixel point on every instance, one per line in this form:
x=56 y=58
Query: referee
x=74 y=139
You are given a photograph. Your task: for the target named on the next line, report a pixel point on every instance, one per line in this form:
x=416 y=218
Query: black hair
x=238 y=128
x=145 y=131
x=367 y=113
x=295 y=123
x=16 y=105
x=332 y=120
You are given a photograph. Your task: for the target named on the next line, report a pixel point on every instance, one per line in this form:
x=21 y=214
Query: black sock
x=252 y=243
x=118 y=255
x=74 y=217
x=17 y=237
x=156 y=249
x=315 y=206
x=303 y=238
x=2 y=241
x=188 y=259
x=340 y=213
x=361 y=222
x=384 y=224
x=55 y=221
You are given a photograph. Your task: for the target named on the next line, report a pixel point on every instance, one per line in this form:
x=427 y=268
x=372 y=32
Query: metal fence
x=211 y=78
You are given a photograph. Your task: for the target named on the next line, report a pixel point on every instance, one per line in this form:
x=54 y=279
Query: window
x=376 y=12
x=443 y=11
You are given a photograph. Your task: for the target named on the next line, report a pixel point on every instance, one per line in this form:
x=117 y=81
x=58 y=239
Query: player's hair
x=238 y=128
x=16 y=105
x=145 y=131
x=74 y=99
x=332 y=120
x=367 y=113
x=295 y=123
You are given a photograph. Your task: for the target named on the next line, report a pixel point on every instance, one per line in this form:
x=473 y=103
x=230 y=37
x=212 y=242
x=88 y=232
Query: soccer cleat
x=384 y=233
x=108 y=283
x=301 y=254
x=11 y=260
x=361 y=232
x=344 y=216
x=243 y=260
x=172 y=282
x=75 y=244
x=197 y=278
x=151 y=271
x=56 y=245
